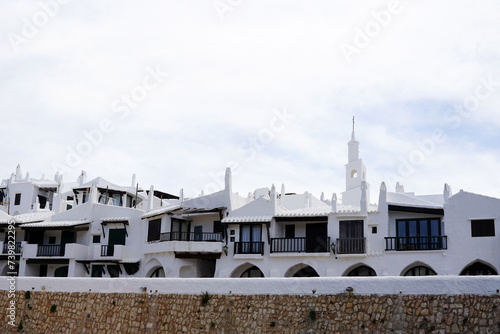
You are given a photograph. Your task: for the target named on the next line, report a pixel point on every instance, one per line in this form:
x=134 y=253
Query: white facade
x=97 y=228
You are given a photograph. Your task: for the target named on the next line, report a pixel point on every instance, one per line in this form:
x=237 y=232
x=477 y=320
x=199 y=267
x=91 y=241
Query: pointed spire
x=19 y=173
x=93 y=196
x=151 y=197
x=322 y=196
x=363 y=202
x=400 y=188
x=56 y=177
x=273 y=201
x=382 y=198
x=181 y=195
x=447 y=192
x=133 y=181
x=228 y=180
x=283 y=190
x=36 y=207
x=353 y=136
x=27 y=178
x=334 y=202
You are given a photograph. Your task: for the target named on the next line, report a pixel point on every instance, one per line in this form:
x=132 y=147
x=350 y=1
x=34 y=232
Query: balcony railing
x=249 y=248
x=351 y=246
x=300 y=245
x=107 y=250
x=416 y=243
x=191 y=236
x=50 y=250
x=17 y=248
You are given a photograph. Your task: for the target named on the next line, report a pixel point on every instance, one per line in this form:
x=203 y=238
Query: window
x=362 y=271
x=483 y=228
x=419 y=234
x=154 y=229
x=180 y=229
x=17 y=200
x=97 y=270
x=96 y=239
x=289 y=231
x=52 y=240
x=158 y=273
x=250 y=239
x=478 y=268
x=217 y=226
x=114 y=270
x=374 y=229
x=252 y=272
x=232 y=232
x=61 y=272
x=420 y=271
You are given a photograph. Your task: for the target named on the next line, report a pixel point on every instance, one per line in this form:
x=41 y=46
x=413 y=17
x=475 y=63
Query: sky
x=176 y=91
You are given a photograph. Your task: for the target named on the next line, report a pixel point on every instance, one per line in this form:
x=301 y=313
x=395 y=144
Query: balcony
x=416 y=243
x=300 y=245
x=16 y=248
x=50 y=250
x=191 y=236
x=107 y=250
x=249 y=248
x=351 y=246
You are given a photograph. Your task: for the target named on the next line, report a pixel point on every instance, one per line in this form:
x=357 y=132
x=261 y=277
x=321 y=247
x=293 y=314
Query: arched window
x=354 y=173
x=306 y=272
x=61 y=272
x=252 y=272
x=159 y=272
x=478 y=268
x=420 y=271
x=362 y=271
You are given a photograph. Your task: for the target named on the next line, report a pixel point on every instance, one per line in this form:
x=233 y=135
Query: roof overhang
x=416 y=209
x=301 y=219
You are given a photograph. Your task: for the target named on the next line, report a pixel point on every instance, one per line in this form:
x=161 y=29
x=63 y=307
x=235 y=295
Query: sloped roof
x=315 y=211
x=31 y=217
x=45 y=183
x=63 y=223
x=409 y=199
x=114 y=219
x=101 y=183
x=161 y=211
x=4 y=217
x=248 y=219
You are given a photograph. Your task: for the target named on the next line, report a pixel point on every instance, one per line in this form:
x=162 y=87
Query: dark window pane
x=483 y=228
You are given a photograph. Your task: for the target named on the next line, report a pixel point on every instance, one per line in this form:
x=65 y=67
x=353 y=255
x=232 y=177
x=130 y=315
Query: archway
x=418 y=269
x=477 y=268
x=301 y=270
x=360 y=270
x=61 y=272
x=247 y=270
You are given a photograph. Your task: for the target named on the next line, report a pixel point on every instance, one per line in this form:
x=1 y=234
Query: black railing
x=416 y=243
x=249 y=248
x=351 y=246
x=107 y=250
x=191 y=236
x=300 y=245
x=50 y=250
x=7 y=246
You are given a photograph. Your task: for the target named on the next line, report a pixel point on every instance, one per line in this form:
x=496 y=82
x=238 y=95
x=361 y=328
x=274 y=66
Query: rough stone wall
x=168 y=313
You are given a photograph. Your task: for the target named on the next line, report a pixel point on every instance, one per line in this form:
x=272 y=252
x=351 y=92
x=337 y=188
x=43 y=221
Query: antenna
x=352 y=123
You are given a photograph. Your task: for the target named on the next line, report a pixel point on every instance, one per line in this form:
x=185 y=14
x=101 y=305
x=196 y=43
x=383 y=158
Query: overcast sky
x=175 y=91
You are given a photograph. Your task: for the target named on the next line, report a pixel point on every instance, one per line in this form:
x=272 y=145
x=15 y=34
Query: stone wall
x=348 y=312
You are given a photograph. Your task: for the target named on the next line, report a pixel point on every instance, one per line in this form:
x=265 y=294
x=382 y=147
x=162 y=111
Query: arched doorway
x=301 y=270
x=478 y=268
x=247 y=270
x=361 y=270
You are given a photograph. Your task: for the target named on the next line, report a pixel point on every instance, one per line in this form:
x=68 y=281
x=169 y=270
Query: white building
x=100 y=229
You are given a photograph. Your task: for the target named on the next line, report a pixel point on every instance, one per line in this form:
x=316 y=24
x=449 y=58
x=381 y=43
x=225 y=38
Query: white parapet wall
x=429 y=285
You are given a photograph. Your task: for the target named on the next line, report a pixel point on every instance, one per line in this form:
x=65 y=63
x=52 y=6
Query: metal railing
x=107 y=250
x=17 y=247
x=191 y=236
x=300 y=245
x=416 y=243
x=249 y=247
x=351 y=246
x=50 y=250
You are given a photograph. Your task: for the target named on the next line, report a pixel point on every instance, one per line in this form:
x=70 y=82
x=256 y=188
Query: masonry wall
x=347 y=313
x=306 y=305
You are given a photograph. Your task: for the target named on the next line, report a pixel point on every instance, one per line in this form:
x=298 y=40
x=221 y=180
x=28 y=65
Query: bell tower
x=355 y=172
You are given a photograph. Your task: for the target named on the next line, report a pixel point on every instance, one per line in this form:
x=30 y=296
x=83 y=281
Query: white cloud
x=227 y=76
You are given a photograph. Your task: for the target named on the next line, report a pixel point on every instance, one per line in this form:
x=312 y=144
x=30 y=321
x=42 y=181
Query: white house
x=97 y=228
